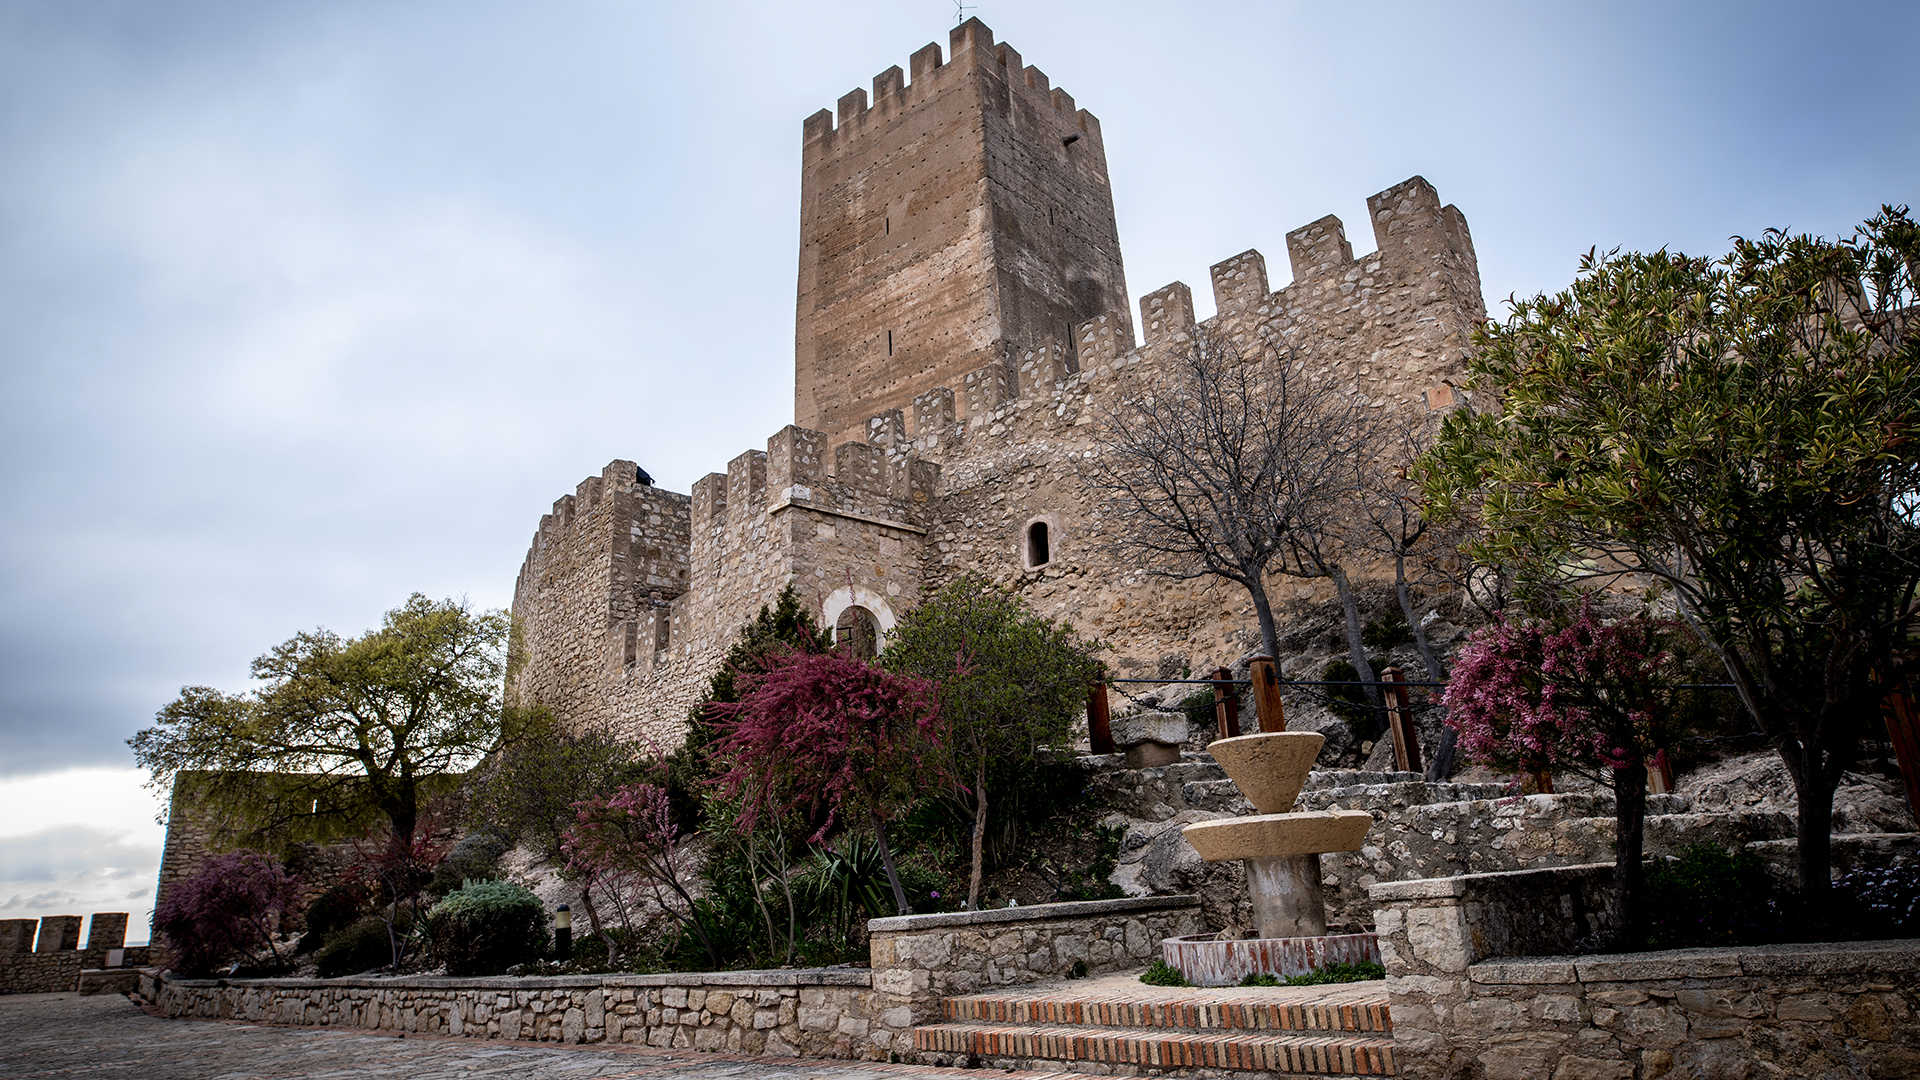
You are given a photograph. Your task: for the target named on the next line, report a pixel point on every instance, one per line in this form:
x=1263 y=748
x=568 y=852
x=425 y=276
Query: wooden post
x=1099 y=722
x=1542 y=782
x=1266 y=695
x=1903 y=731
x=1226 y=703
x=1406 y=739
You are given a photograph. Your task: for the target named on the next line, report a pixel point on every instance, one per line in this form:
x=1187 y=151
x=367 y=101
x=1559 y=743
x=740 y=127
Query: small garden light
x=562 y=932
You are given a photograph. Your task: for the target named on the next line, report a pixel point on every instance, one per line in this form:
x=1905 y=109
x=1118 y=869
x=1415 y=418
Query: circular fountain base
x=1209 y=962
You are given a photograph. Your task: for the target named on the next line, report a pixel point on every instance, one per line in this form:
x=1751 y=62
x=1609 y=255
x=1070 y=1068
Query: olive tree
x=344 y=727
x=1741 y=434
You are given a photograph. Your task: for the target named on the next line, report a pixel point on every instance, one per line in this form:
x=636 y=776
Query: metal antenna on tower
x=960 y=11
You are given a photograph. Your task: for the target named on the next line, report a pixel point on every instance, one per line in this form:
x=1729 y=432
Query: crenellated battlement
x=879 y=478
x=1415 y=236
x=971 y=45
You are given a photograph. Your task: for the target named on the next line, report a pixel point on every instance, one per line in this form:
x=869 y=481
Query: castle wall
x=599 y=576
x=943 y=224
x=1394 y=325
x=852 y=520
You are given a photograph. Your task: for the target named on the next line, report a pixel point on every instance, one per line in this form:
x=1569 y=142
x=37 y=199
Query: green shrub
x=1363 y=971
x=1385 y=630
x=361 y=946
x=487 y=927
x=334 y=910
x=1161 y=973
x=1199 y=708
x=1261 y=978
x=475 y=857
x=1349 y=703
x=1707 y=895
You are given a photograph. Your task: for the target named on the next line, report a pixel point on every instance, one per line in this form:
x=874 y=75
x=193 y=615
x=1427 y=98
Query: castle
x=961 y=324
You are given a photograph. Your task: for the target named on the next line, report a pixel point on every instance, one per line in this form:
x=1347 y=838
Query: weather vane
x=960 y=11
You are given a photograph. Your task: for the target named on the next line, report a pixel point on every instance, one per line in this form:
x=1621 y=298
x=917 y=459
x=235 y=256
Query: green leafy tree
x=1742 y=434
x=1011 y=685
x=529 y=791
x=352 y=726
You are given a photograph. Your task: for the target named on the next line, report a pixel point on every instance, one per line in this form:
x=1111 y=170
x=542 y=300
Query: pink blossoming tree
x=1590 y=698
x=832 y=737
x=627 y=846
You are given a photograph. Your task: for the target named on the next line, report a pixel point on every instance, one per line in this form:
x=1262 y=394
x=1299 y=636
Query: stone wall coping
x=1451 y=887
x=838 y=976
x=1071 y=909
x=1797 y=959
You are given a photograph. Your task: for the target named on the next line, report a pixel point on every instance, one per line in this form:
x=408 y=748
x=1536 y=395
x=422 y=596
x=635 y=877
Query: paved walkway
x=65 y=1035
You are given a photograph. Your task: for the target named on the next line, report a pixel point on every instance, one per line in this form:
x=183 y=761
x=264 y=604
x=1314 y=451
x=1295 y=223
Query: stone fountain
x=1282 y=851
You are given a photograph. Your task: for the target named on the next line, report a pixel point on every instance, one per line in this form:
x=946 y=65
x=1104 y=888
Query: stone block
x=58 y=933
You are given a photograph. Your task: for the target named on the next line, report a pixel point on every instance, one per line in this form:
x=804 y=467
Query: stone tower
x=953 y=221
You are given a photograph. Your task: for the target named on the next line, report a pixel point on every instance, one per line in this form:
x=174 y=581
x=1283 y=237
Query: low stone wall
x=923 y=958
x=1476 y=992
x=822 y=1012
x=56 y=972
x=39 y=973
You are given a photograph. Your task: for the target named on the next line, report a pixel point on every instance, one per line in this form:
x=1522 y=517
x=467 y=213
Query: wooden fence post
x=1904 y=733
x=1099 y=722
x=1659 y=773
x=1266 y=695
x=1226 y=703
x=1406 y=738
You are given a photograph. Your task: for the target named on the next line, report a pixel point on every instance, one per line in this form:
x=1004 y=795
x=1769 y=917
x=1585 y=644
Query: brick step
x=1225 y=1009
x=1110 y=1049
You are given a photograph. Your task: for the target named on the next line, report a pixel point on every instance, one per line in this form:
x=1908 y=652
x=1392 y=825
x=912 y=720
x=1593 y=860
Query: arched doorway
x=857 y=630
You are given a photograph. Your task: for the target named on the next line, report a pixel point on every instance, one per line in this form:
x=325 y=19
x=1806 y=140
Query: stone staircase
x=1117 y=1025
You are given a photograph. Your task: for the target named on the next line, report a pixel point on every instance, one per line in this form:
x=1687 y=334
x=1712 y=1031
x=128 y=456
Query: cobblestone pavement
x=65 y=1035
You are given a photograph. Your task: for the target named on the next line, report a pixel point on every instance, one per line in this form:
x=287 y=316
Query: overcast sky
x=307 y=306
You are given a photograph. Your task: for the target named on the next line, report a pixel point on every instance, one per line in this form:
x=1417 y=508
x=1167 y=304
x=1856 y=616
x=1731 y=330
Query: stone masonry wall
x=1473 y=998
x=818 y=1013
x=923 y=958
x=843 y=525
x=1394 y=325
x=823 y=1012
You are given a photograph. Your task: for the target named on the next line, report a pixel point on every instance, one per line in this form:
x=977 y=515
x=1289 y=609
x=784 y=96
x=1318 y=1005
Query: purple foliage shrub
x=226 y=912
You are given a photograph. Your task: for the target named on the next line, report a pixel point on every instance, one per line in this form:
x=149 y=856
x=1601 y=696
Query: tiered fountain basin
x=1282 y=850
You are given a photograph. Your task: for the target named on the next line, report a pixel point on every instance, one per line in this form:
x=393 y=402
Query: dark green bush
x=1199 y=708
x=361 y=946
x=1363 y=971
x=1707 y=895
x=475 y=857
x=1161 y=973
x=487 y=927
x=1386 y=630
x=1261 y=978
x=1349 y=703
x=1881 y=901
x=334 y=910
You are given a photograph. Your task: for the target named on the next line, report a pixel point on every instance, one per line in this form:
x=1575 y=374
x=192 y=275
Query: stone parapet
x=920 y=959
x=1482 y=982
x=830 y=1012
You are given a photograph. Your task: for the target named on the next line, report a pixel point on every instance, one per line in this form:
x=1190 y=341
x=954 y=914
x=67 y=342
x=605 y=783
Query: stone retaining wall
x=1468 y=999
x=822 y=1012
x=923 y=958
